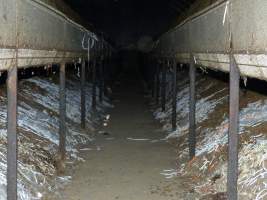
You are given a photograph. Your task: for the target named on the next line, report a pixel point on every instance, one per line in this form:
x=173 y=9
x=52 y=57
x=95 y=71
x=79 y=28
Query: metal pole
x=174 y=94
x=83 y=106
x=233 y=130
x=151 y=66
x=157 y=83
x=105 y=71
x=94 y=85
x=12 y=149
x=62 y=122
x=154 y=90
x=88 y=74
x=192 y=109
x=101 y=80
x=101 y=66
x=163 y=85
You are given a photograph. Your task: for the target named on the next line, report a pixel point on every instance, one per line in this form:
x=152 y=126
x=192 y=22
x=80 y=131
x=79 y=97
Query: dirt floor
x=120 y=167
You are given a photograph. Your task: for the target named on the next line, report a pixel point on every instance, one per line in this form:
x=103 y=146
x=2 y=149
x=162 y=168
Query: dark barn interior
x=125 y=23
x=133 y=99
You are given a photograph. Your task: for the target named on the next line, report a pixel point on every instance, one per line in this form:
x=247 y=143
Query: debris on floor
x=138 y=139
x=38 y=124
x=208 y=170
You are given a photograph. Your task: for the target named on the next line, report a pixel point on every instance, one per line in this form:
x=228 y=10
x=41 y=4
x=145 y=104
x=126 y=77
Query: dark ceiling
x=126 y=21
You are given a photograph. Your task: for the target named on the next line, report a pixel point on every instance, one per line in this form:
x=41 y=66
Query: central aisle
x=124 y=168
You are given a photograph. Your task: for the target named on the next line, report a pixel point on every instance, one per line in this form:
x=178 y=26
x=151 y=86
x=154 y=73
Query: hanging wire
x=90 y=43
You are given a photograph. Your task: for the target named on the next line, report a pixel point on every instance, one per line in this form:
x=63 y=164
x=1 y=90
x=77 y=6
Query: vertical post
x=163 y=85
x=104 y=72
x=101 y=75
x=101 y=80
x=94 y=84
x=174 y=94
x=62 y=122
x=12 y=149
x=154 y=89
x=192 y=108
x=49 y=70
x=88 y=74
x=233 y=130
x=157 y=82
x=106 y=62
x=83 y=106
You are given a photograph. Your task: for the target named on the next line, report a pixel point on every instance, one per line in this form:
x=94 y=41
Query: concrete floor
x=126 y=169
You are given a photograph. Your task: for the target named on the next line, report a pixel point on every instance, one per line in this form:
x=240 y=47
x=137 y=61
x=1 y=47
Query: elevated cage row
x=228 y=36
x=35 y=34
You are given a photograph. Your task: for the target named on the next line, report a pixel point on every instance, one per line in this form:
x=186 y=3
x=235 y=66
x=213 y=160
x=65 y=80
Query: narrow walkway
x=127 y=169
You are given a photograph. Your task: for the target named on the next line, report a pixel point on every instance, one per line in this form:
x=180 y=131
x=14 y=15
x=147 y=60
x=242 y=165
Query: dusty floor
x=123 y=168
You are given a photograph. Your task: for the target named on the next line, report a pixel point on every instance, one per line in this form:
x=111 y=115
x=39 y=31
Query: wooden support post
x=62 y=120
x=94 y=85
x=163 y=87
x=174 y=94
x=12 y=149
x=83 y=105
x=233 y=130
x=192 y=108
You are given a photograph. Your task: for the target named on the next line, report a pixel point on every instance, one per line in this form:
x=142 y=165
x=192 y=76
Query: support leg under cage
x=174 y=94
x=62 y=120
x=157 y=83
x=151 y=63
x=163 y=87
x=154 y=83
x=192 y=108
x=105 y=71
x=12 y=149
x=83 y=105
x=232 y=175
x=94 y=85
x=101 y=81
x=154 y=87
